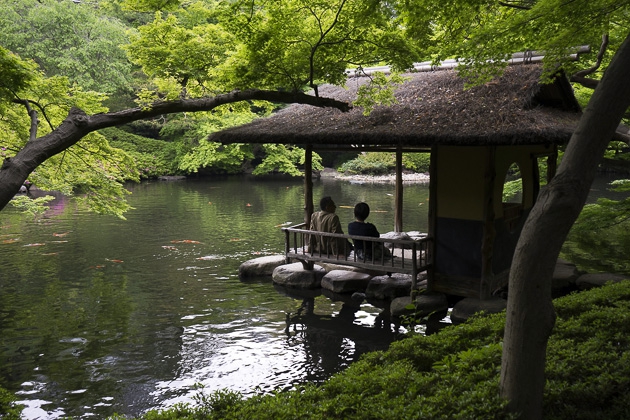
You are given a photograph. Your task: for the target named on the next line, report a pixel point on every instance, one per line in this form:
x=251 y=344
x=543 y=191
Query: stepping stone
x=342 y=281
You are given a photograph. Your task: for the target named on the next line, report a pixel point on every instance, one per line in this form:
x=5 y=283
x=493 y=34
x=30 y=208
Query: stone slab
x=591 y=280
x=261 y=267
x=467 y=307
x=386 y=288
x=343 y=281
x=294 y=275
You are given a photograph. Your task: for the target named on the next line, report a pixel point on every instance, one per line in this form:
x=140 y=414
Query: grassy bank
x=455 y=374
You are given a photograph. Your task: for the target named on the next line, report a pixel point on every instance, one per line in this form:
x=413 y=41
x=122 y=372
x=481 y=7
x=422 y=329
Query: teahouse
x=478 y=138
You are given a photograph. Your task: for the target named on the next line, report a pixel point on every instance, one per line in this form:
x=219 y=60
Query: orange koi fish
x=114 y=261
x=185 y=241
x=35 y=244
x=10 y=241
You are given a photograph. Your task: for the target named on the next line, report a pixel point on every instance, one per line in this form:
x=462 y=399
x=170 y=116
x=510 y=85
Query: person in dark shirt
x=363 y=249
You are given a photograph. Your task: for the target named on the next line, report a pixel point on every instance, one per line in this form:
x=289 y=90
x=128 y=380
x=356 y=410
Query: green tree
x=483 y=34
x=209 y=66
x=70 y=39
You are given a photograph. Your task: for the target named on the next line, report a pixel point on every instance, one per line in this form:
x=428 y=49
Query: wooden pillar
x=398 y=213
x=489 y=232
x=433 y=200
x=308 y=195
x=308 y=184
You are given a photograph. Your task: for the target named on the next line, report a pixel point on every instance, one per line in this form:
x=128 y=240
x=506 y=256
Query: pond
x=100 y=315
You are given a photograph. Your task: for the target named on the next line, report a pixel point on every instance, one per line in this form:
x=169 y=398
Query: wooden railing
x=407 y=255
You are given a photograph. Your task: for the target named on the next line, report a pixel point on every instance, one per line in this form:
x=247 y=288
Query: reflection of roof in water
x=432 y=108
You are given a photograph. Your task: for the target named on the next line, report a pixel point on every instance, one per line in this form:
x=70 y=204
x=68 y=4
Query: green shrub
x=153 y=157
x=382 y=163
x=417 y=162
x=370 y=163
x=8 y=409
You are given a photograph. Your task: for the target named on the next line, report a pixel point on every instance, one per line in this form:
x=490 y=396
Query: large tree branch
x=580 y=76
x=78 y=124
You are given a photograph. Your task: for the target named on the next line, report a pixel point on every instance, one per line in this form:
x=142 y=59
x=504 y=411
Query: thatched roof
x=433 y=108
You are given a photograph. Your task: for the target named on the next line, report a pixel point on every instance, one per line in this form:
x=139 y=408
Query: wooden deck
x=409 y=256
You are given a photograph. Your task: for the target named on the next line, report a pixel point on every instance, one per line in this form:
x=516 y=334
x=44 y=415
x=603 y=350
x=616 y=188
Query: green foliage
x=91 y=168
x=217 y=157
x=370 y=163
x=483 y=33
x=32 y=206
x=417 y=162
x=380 y=91
x=8 y=409
x=603 y=229
x=152 y=158
x=588 y=375
x=381 y=163
x=297 y=43
x=284 y=159
x=15 y=74
x=169 y=50
x=47 y=32
x=454 y=374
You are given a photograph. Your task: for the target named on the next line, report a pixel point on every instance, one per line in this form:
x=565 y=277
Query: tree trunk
x=530 y=312
x=77 y=124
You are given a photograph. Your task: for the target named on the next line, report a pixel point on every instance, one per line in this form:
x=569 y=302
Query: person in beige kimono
x=326 y=220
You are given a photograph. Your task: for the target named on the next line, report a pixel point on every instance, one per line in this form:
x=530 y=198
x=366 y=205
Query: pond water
x=101 y=316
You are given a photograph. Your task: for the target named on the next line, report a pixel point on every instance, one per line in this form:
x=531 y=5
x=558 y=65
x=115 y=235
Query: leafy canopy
x=484 y=33
x=91 y=167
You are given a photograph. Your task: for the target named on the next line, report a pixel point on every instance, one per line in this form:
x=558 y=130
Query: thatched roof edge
x=433 y=108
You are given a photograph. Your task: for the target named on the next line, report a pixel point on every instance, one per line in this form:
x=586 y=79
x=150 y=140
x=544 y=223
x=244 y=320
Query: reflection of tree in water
x=330 y=342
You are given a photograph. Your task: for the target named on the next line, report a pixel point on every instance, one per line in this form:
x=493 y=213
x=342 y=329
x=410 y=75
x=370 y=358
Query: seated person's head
x=361 y=211
x=327 y=204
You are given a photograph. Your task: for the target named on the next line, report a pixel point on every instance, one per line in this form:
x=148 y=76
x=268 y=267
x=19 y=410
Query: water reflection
x=109 y=316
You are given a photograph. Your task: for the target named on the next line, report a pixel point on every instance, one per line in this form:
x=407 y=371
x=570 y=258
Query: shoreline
x=414 y=177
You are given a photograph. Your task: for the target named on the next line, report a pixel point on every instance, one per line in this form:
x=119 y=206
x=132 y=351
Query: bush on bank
x=382 y=163
x=153 y=158
x=454 y=374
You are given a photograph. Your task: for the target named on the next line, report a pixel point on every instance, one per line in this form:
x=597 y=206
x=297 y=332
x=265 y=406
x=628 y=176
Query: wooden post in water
x=308 y=196
x=308 y=185
x=398 y=214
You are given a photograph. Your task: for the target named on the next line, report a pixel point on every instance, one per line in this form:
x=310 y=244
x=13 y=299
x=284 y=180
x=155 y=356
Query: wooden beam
x=398 y=214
